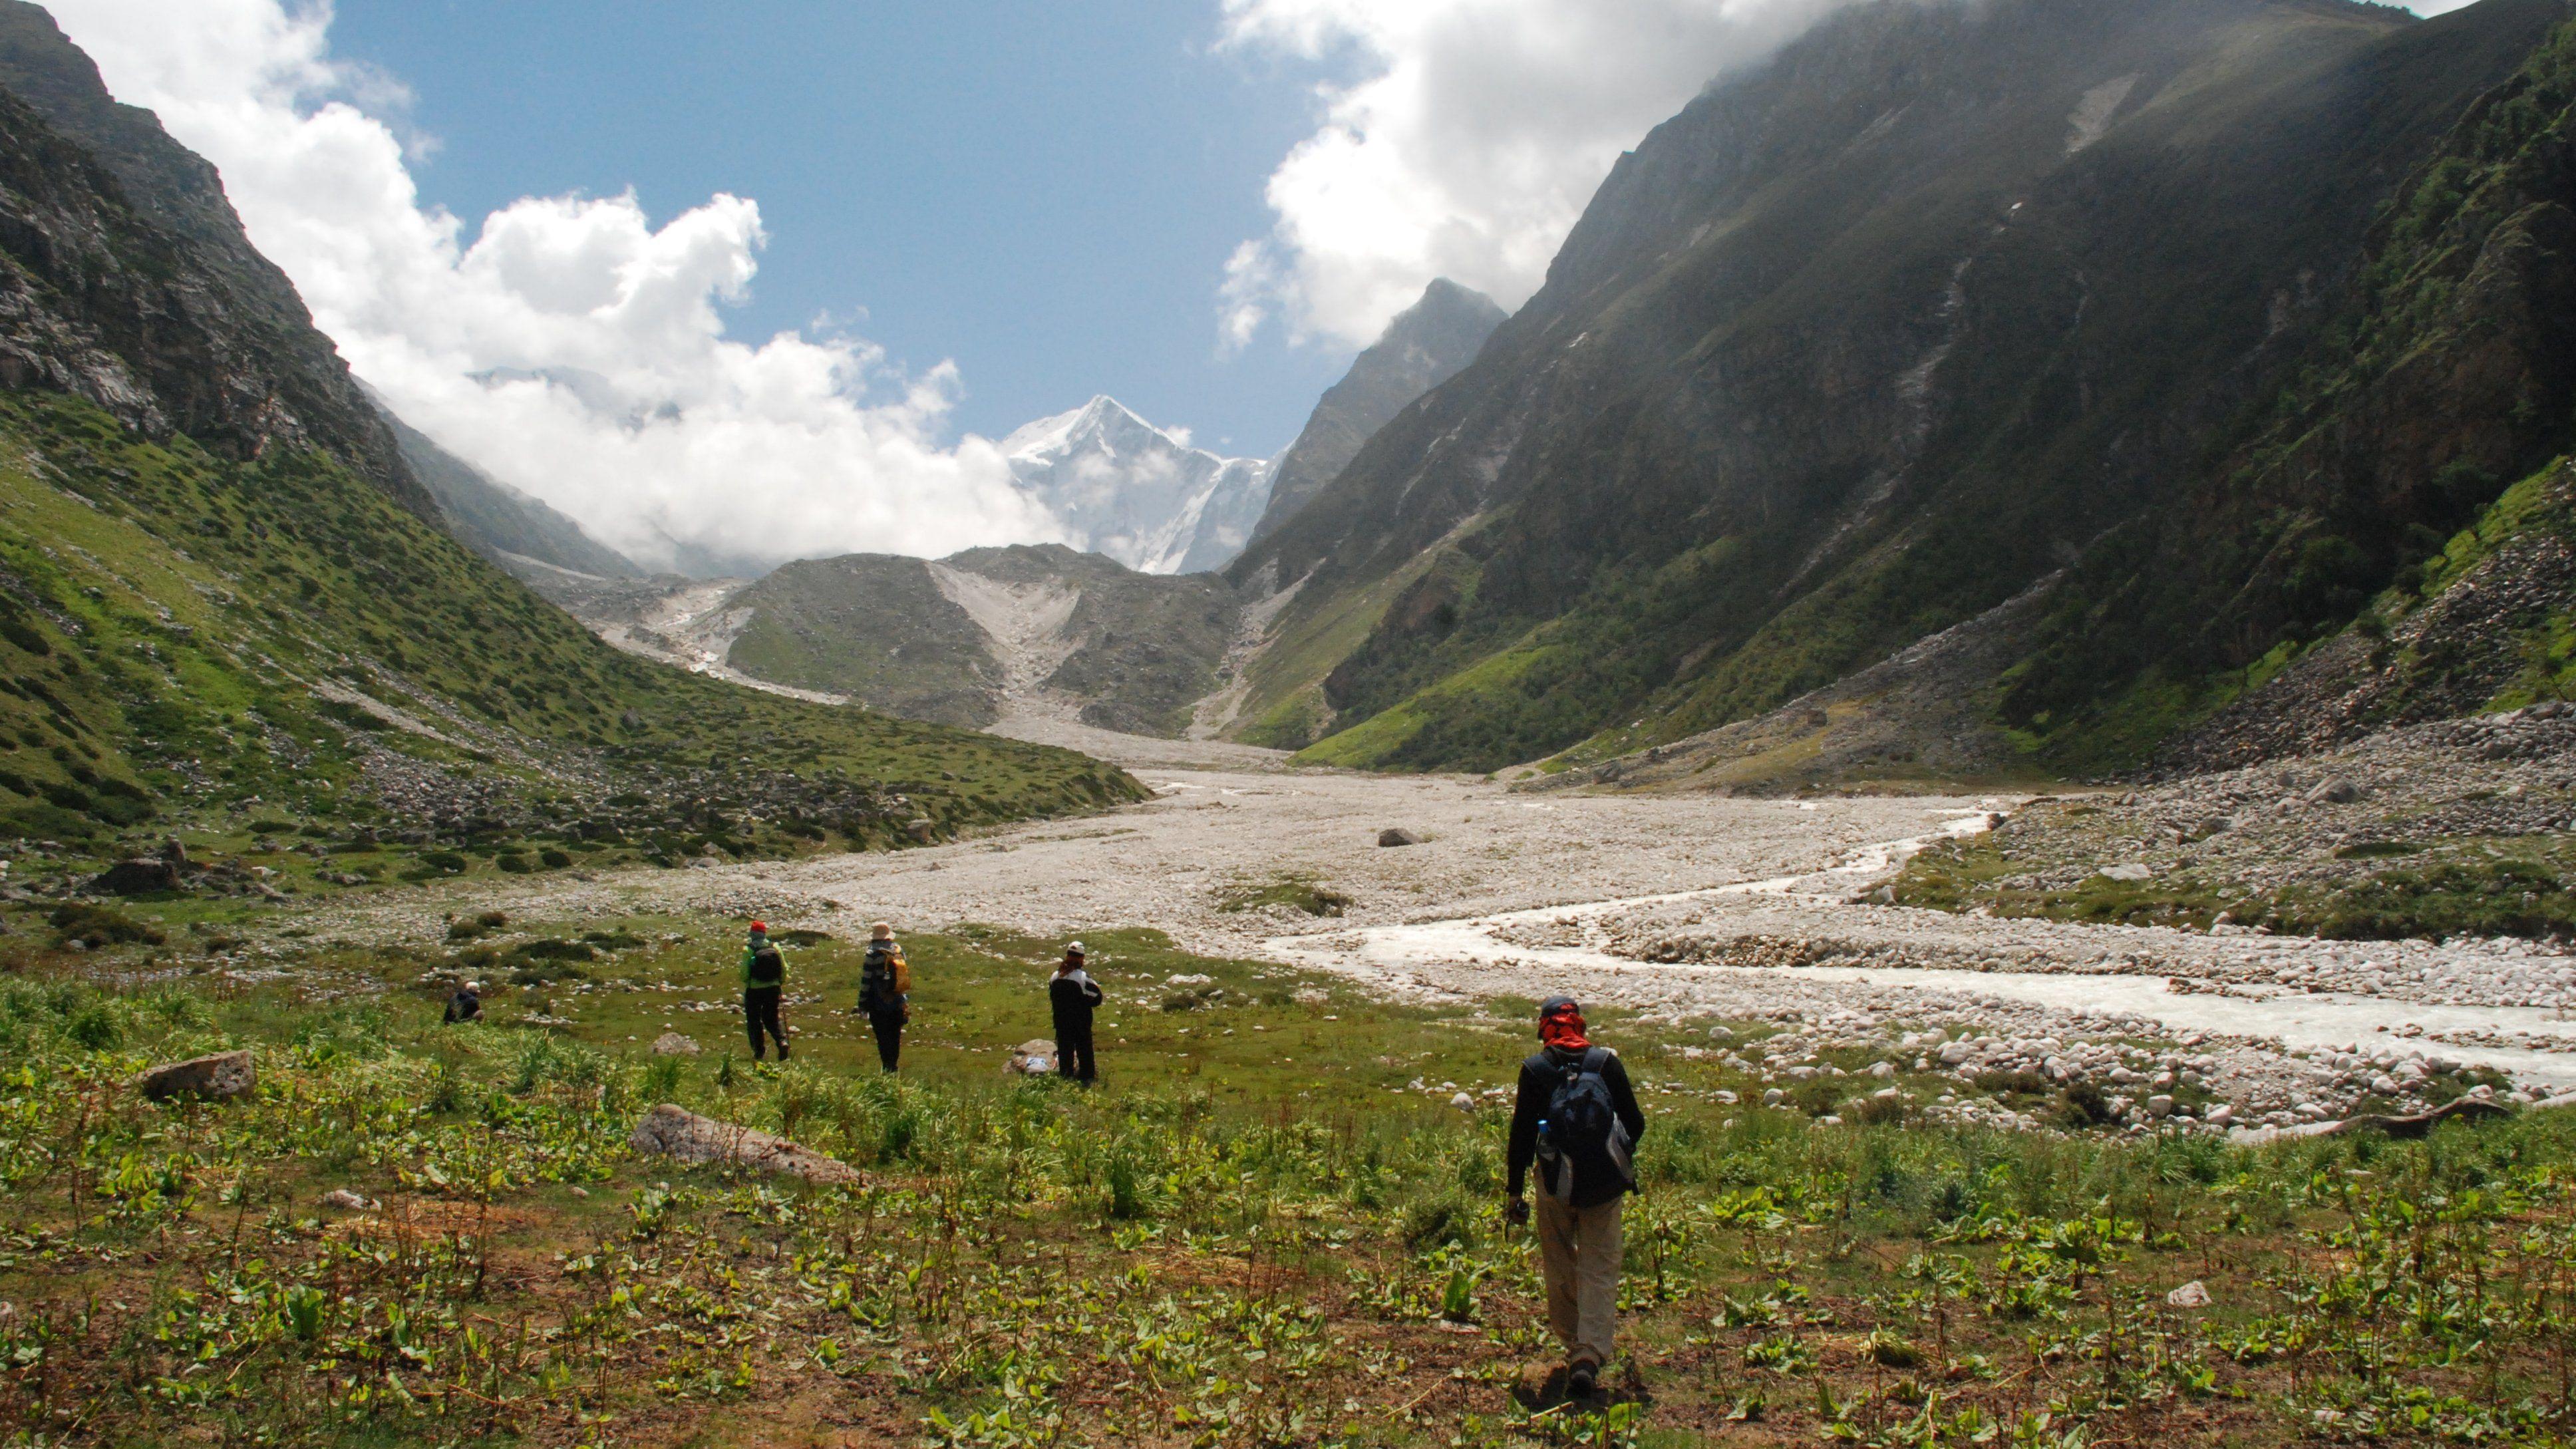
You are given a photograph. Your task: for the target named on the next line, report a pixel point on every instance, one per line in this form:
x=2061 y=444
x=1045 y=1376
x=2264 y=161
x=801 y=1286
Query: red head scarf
x=1562 y=1027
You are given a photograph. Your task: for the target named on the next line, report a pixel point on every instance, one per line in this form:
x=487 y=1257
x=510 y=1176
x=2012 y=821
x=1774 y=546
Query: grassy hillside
x=874 y=627
x=193 y=640
x=1253 y=1233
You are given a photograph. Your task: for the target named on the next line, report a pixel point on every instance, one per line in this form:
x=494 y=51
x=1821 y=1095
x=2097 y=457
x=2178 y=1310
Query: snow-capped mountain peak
x=1136 y=492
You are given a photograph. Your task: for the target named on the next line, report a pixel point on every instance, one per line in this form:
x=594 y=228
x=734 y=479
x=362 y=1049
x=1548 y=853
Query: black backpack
x=879 y=990
x=768 y=968
x=1582 y=1144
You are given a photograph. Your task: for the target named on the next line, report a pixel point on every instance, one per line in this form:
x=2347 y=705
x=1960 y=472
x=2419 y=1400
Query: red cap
x=757 y=926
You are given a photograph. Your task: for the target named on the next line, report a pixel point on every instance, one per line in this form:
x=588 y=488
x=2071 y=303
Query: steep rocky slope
x=1856 y=348
x=1423 y=347
x=175 y=325
x=500 y=522
x=220 y=600
x=872 y=626
x=2453 y=374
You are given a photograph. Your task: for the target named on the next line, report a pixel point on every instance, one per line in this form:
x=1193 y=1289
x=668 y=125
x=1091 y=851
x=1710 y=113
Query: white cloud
x=568 y=346
x=1465 y=140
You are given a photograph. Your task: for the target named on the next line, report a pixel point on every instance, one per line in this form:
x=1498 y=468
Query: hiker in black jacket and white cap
x=1576 y=1120
x=1073 y=995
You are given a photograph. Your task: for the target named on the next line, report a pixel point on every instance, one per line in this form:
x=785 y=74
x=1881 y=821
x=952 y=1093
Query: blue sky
x=1046 y=193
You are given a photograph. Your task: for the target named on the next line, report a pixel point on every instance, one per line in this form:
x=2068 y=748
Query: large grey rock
x=672 y=1044
x=220 y=1075
x=684 y=1136
x=1398 y=837
x=140 y=876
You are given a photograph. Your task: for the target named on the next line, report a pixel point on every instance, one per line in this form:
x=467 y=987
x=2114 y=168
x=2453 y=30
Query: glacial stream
x=2298 y=1019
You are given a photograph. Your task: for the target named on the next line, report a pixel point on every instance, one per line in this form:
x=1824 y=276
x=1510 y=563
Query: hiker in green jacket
x=764 y=984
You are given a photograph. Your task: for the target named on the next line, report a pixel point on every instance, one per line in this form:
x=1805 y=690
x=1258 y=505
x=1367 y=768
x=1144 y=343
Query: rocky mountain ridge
x=165 y=315
x=498 y=521
x=1423 y=347
x=968 y=640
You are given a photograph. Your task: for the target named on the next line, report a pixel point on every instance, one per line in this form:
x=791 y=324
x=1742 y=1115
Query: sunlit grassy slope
x=187 y=640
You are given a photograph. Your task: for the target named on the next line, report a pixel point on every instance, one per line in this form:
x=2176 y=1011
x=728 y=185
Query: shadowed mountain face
x=1858 y=347
x=1423 y=347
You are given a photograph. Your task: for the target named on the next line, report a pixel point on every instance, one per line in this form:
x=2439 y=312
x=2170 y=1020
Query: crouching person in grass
x=1576 y=1120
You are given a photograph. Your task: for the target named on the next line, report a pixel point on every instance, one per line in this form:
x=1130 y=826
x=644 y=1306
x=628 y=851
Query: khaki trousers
x=1579 y=1253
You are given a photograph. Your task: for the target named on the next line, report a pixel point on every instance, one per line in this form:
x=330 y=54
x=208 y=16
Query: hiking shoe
x=1583 y=1380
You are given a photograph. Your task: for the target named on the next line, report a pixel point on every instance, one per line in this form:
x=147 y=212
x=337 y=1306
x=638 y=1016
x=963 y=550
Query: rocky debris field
x=2453 y=829
x=1844 y=1039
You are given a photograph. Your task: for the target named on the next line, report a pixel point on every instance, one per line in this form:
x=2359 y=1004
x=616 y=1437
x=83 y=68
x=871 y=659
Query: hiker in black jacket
x=1074 y=995
x=1576 y=1120
x=885 y=993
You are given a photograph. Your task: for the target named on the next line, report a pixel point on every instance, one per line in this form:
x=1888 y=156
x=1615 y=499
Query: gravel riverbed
x=1690 y=907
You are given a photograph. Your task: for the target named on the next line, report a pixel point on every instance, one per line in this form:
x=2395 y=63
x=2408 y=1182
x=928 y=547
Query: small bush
x=1125 y=1181
x=102 y=925
x=553 y=859
x=549 y=949
x=2010 y=1084
x=662 y=1078
x=1883 y=1111
x=1431 y=1221
x=2083 y=1105
x=447 y=861
x=95 y=1027
x=475 y=928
